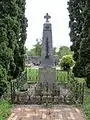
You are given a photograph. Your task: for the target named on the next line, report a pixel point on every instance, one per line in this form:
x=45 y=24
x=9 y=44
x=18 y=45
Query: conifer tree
x=19 y=53
x=85 y=43
x=12 y=39
x=76 y=21
x=79 y=11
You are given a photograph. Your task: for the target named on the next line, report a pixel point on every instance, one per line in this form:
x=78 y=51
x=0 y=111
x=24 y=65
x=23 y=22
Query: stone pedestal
x=47 y=76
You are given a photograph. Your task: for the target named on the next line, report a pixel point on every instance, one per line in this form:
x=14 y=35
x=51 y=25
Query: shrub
x=66 y=62
x=3 y=80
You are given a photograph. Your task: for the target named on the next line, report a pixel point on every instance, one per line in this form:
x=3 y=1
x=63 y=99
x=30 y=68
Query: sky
x=35 y=12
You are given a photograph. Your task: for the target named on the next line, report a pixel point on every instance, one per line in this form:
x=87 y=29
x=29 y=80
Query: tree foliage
x=85 y=43
x=66 y=62
x=3 y=80
x=36 y=49
x=64 y=50
x=76 y=21
x=19 y=52
x=79 y=13
x=12 y=37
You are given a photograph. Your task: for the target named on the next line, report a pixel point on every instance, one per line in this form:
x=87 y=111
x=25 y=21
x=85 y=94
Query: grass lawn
x=32 y=74
x=61 y=76
x=80 y=80
x=86 y=105
x=5 y=108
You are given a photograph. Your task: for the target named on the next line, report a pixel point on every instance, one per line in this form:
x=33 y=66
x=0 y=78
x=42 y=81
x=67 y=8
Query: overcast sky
x=35 y=11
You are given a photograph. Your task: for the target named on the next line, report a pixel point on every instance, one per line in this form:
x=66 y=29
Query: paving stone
x=19 y=109
x=67 y=109
x=27 y=109
x=72 y=117
x=28 y=115
x=15 y=118
x=37 y=113
x=44 y=116
x=11 y=116
x=42 y=110
x=77 y=110
x=57 y=110
x=60 y=117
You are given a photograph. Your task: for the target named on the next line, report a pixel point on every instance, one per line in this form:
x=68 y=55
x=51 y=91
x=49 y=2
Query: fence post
x=83 y=85
x=58 y=94
x=76 y=94
x=36 y=77
x=41 y=94
x=79 y=94
x=68 y=75
x=11 y=92
x=14 y=91
x=53 y=92
x=47 y=87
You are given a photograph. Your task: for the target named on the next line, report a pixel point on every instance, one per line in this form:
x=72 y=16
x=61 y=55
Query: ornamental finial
x=47 y=17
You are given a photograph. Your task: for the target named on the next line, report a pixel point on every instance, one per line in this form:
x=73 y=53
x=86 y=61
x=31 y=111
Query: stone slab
x=47 y=75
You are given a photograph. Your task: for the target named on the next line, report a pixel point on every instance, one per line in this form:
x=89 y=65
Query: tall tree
x=54 y=51
x=12 y=31
x=75 y=8
x=85 y=43
x=64 y=50
x=19 y=53
x=36 y=49
x=80 y=37
x=8 y=23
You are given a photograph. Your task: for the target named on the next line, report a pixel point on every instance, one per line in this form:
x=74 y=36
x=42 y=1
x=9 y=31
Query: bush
x=66 y=62
x=87 y=71
x=3 y=80
x=5 y=108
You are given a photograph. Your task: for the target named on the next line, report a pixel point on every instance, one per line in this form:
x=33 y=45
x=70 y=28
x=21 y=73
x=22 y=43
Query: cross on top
x=47 y=17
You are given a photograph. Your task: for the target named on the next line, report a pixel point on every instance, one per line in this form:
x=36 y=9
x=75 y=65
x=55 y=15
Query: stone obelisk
x=47 y=47
x=47 y=71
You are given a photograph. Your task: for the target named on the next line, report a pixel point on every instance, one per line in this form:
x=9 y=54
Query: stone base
x=47 y=76
x=21 y=97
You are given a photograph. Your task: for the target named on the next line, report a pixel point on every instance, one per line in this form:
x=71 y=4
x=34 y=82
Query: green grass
x=80 y=80
x=5 y=108
x=32 y=73
x=61 y=76
x=86 y=105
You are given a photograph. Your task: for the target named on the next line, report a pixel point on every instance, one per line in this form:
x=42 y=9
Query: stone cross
x=47 y=17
